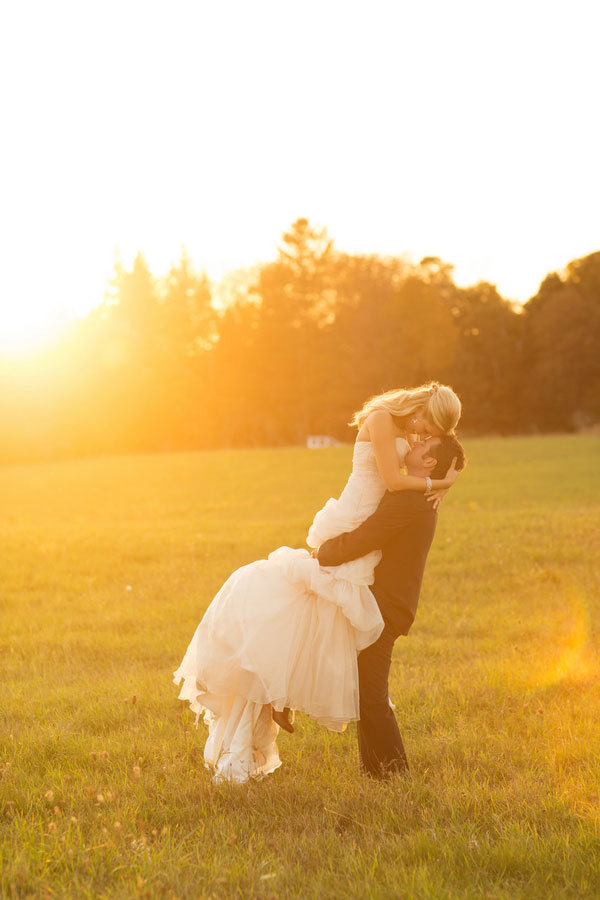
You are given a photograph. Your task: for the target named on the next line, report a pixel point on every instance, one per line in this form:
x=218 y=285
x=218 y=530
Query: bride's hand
x=452 y=473
x=315 y=554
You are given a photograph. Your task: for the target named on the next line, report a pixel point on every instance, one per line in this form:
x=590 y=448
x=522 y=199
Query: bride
x=284 y=633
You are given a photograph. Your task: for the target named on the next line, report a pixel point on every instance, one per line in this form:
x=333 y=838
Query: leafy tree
x=301 y=343
x=294 y=302
x=563 y=348
x=490 y=359
x=187 y=332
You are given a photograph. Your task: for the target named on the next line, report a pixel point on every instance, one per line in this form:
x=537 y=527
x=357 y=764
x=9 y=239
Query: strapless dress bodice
x=359 y=499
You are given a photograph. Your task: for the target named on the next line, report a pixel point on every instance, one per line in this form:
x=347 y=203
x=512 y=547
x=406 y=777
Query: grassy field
x=107 y=566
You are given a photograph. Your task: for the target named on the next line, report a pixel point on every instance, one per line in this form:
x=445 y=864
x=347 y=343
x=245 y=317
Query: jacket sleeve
x=392 y=514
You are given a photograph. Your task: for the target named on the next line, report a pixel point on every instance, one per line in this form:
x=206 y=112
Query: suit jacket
x=402 y=527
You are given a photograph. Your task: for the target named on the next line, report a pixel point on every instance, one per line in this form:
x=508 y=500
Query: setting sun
x=27 y=329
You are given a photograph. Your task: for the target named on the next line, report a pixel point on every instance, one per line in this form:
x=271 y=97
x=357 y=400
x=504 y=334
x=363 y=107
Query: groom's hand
x=436 y=497
x=315 y=554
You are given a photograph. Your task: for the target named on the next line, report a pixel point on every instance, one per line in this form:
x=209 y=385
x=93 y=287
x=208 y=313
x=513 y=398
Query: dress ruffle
x=345 y=586
x=332 y=520
x=286 y=632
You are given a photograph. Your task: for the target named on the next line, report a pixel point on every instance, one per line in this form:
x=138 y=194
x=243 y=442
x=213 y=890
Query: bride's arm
x=383 y=437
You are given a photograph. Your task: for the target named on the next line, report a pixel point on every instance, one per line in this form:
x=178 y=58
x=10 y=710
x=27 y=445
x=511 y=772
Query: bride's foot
x=282 y=719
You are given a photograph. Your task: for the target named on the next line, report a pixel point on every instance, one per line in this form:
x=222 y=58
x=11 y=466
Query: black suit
x=403 y=527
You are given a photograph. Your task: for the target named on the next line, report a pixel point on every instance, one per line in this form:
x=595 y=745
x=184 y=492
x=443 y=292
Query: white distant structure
x=320 y=441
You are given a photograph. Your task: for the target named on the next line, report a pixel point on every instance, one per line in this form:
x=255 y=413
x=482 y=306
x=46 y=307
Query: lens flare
x=577 y=660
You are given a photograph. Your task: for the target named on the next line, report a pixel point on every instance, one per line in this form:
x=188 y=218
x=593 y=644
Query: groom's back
x=399 y=575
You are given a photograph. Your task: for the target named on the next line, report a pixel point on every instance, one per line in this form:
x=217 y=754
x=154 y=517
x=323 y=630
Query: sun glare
x=497 y=185
x=23 y=331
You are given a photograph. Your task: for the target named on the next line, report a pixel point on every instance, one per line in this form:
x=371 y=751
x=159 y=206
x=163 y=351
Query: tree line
x=164 y=364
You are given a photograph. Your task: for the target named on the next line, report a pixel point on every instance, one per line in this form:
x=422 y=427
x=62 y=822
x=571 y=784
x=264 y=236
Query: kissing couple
x=314 y=631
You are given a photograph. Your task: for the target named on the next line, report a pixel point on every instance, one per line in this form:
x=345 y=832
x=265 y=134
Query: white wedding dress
x=286 y=631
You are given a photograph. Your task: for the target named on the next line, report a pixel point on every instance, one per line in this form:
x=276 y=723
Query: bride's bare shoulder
x=380 y=415
x=379 y=423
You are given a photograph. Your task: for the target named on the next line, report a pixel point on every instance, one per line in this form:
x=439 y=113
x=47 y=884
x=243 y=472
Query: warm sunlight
x=409 y=135
x=255 y=640
x=29 y=328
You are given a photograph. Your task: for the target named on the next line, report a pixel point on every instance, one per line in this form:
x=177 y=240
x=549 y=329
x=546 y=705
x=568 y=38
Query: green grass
x=107 y=566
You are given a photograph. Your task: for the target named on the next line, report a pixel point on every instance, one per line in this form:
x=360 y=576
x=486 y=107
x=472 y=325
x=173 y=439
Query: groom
x=403 y=527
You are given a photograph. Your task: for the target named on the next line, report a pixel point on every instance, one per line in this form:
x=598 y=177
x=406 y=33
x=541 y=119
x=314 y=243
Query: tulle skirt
x=282 y=631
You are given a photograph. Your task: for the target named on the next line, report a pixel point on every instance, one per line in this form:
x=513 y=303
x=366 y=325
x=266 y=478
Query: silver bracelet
x=428 y=483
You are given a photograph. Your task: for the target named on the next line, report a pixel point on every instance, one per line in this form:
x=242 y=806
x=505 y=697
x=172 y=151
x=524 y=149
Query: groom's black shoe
x=282 y=719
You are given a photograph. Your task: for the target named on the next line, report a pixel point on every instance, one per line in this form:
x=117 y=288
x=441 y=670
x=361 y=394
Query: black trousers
x=380 y=746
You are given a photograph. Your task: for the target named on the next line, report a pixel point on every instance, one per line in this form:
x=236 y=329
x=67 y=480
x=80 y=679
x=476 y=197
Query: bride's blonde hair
x=438 y=402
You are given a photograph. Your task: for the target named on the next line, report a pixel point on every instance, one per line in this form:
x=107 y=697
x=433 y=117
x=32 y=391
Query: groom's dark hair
x=448 y=448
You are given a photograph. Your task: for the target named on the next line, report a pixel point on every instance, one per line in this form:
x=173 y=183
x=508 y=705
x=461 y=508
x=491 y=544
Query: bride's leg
x=282 y=719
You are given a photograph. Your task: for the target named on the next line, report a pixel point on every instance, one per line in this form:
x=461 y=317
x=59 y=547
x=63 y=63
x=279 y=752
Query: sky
x=465 y=130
